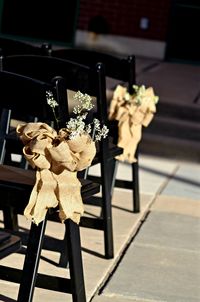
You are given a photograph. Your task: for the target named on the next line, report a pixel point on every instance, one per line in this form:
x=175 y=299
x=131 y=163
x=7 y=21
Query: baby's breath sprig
x=99 y=132
x=85 y=101
x=52 y=103
x=138 y=95
x=76 y=126
x=50 y=99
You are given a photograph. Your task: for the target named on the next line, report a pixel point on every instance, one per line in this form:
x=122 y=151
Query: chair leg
x=136 y=191
x=115 y=164
x=64 y=259
x=31 y=262
x=106 y=207
x=75 y=261
x=32 y=258
x=10 y=219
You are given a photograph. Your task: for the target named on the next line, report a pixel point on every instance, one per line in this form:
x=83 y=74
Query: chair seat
x=11 y=177
x=4 y=236
x=113 y=151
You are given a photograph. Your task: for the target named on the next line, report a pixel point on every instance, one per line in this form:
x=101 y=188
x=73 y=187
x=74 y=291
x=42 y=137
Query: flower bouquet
x=132 y=112
x=57 y=156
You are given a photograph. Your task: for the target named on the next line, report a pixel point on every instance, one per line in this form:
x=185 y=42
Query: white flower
x=138 y=96
x=88 y=128
x=96 y=123
x=50 y=99
x=156 y=99
x=85 y=102
x=101 y=133
x=77 y=126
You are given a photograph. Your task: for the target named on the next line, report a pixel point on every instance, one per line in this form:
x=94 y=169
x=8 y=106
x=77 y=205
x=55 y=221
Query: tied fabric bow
x=131 y=112
x=57 y=160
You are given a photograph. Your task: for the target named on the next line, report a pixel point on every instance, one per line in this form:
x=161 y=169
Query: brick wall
x=124 y=16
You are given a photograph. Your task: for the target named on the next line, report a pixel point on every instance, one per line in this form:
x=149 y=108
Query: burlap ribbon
x=57 y=160
x=131 y=117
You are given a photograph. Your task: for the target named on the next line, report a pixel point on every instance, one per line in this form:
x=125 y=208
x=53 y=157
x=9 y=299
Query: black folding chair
x=91 y=81
x=122 y=70
x=17 y=94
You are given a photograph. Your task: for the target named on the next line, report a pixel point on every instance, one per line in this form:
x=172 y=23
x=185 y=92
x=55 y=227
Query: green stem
x=57 y=122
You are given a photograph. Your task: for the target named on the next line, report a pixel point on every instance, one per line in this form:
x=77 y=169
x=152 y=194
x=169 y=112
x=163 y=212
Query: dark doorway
x=184 y=31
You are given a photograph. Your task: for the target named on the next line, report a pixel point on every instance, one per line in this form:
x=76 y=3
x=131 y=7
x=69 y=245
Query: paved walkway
x=175 y=83
x=162 y=263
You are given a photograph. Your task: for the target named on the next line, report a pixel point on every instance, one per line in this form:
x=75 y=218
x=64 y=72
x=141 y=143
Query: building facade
x=153 y=28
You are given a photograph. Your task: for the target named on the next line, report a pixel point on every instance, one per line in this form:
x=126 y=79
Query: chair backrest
x=24 y=99
x=26 y=96
x=90 y=80
x=14 y=47
x=121 y=68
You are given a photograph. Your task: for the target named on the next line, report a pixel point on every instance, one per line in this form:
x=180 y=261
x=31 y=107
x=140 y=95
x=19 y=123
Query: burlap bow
x=57 y=160
x=131 y=117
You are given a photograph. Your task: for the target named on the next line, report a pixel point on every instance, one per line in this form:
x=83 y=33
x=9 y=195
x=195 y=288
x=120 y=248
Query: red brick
x=124 y=16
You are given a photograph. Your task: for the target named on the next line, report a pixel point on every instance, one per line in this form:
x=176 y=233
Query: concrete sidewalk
x=162 y=263
x=157 y=254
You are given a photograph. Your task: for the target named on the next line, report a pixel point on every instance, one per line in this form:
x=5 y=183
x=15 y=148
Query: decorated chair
x=118 y=70
x=24 y=98
x=91 y=81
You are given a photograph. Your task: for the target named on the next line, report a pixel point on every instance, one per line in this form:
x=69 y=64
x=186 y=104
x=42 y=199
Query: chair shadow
x=50 y=243
x=170 y=175
x=6 y=299
x=122 y=209
x=184 y=180
x=48 y=246
x=86 y=250
x=22 y=251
